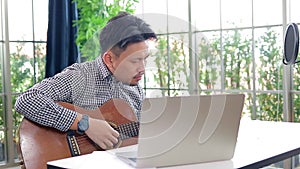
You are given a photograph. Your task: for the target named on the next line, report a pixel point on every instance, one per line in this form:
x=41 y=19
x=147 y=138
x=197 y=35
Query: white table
x=260 y=143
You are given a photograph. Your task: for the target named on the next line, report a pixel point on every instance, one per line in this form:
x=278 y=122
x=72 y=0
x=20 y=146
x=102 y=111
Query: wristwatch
x=83 y=124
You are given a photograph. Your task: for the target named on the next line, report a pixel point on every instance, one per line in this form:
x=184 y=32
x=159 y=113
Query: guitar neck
x=128 y=130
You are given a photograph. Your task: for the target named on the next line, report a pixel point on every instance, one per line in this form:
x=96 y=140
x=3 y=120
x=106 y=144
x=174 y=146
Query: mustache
x=140 y=74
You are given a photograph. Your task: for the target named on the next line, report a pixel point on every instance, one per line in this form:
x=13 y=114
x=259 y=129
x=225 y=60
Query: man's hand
x=102 y=133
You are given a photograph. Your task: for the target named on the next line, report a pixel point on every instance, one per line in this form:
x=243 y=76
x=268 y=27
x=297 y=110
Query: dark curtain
x=61 y=48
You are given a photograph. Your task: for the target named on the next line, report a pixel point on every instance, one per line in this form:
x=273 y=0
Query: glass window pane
x=269 y=106
x=17 y=118
x=2 y=19
x=205 y=14
x=152 y=6
x=248 y=106
x=268 y=58
x=295 y=17
x=267 y=12
x=40 y=19
x=155 y=6
x=154 y=14
x=176 y=24
x=296 y=77
x=174 y=93
x=40 y=61
x=236 y=13
x=20 y=19
x=2 y=133
x=237 y=58
x=22 y=69
x=179 y=69
x=157 y=65
x=2 y=45
x=173 y=9
x=157 y=21
x=138 y=7
x=152 y=78
x=209 y=58
x=153 y=93
x=296 y=107
x=178 y=20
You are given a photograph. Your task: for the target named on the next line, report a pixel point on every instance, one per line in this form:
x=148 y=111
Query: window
x=230 y=46
x=23 y=49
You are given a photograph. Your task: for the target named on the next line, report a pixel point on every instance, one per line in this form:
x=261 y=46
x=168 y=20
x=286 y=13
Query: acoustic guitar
x=37 y=144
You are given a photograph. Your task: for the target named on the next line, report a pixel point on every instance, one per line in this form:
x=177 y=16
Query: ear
x=108 y=61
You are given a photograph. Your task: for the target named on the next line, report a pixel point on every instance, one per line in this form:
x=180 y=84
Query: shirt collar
x=103 y=70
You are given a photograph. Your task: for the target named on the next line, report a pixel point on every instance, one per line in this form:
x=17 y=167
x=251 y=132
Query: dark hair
x=122 y=30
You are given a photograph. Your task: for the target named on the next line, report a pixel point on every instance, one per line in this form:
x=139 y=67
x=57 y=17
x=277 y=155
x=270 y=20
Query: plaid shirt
x=87 y=85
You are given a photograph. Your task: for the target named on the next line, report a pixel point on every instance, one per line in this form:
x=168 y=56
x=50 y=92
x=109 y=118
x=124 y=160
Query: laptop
x=186 y=130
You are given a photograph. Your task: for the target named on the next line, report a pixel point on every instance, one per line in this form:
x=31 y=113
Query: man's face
x=129 y=67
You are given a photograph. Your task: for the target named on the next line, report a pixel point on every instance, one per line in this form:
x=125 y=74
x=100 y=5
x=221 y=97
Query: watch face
x=83 y=124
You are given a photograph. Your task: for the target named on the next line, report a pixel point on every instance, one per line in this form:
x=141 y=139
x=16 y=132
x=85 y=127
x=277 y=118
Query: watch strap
x=83 y=124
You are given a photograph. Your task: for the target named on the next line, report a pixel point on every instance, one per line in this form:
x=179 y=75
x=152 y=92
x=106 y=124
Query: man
x=115 y=74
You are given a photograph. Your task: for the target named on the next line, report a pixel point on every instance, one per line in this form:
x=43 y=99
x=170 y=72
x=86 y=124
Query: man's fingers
x=102 y=145
x=115 y=133
x=108 y=144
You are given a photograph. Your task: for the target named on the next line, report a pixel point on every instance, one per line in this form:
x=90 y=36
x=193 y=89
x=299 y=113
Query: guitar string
x=82 y=140
x=127 y=130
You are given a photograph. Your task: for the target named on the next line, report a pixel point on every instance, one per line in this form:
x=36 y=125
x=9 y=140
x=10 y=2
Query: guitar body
x=38 y=144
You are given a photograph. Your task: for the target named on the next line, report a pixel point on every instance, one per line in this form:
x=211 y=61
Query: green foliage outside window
x=93 y=15
x=171 y=62
x=270 y=75
x=25 y=71
x=226 y=65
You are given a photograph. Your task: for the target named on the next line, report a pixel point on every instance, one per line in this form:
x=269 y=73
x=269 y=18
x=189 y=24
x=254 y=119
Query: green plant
x=232 y=57
x=270 y=75
x=25 y=72
x=209 y=60
x=171 y=61
x=93 y=15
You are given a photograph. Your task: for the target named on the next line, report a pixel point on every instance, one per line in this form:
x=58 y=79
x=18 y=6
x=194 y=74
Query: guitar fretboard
x=128 y=130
